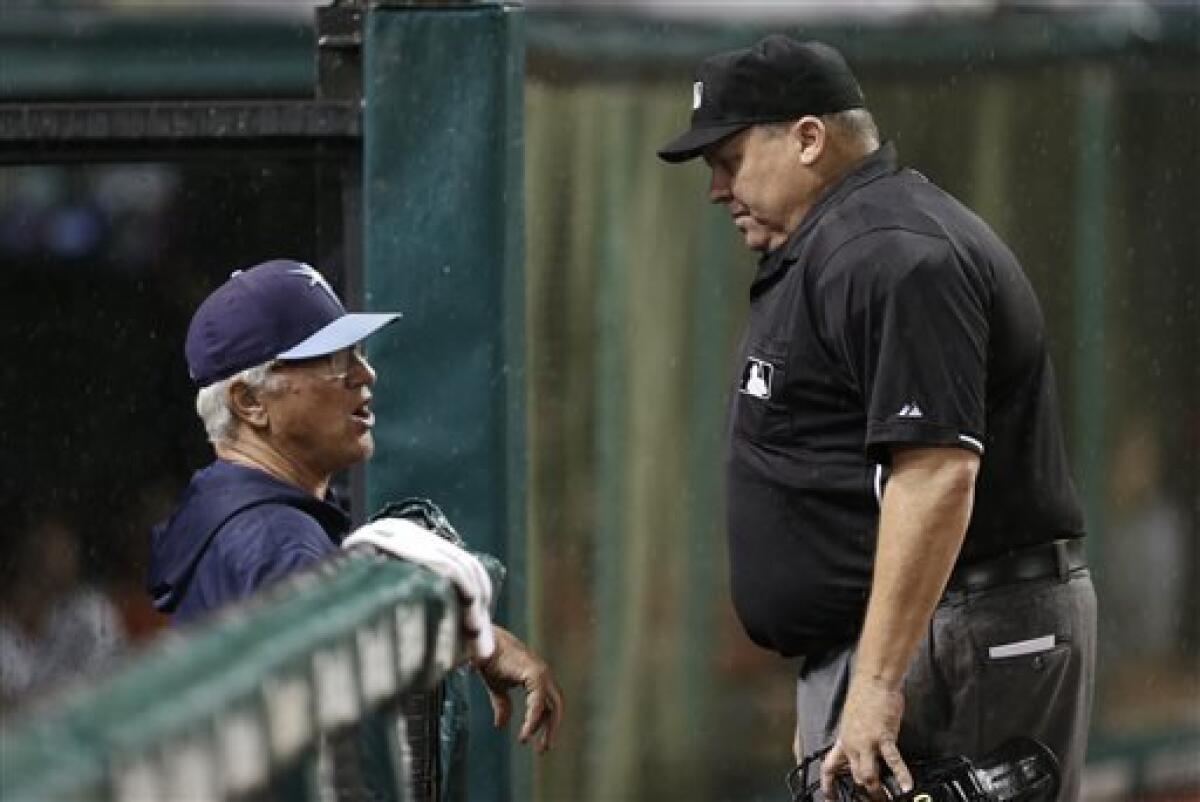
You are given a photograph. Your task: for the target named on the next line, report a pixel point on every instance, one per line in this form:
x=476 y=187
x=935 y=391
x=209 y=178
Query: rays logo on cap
x=757 y=377
x=697 y=94
x=314 y=278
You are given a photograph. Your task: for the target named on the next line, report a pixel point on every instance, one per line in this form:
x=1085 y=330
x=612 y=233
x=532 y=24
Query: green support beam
x=48 y=53
x=443 y=204
x=612 y=756
x=1095 y=133
x=578 y=43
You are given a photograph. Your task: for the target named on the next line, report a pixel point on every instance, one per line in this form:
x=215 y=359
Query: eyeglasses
x=334 y=367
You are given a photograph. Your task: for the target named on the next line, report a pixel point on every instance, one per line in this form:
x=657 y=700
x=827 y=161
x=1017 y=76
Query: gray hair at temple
x=212 y=401
x=853 y=126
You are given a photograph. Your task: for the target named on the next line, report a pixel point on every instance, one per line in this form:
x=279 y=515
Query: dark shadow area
x=103 y=265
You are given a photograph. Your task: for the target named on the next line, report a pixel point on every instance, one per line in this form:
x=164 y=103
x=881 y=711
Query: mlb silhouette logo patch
x=757 y=377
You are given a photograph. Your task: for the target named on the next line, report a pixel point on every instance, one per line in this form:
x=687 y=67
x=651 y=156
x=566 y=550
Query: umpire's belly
x=800 y=554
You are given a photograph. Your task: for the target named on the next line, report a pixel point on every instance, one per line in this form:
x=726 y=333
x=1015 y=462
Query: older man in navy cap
x=901 y=513
x=285 y=396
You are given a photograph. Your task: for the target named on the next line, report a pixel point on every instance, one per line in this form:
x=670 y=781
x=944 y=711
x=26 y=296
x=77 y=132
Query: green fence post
x=443 y=245
x=1091 y=230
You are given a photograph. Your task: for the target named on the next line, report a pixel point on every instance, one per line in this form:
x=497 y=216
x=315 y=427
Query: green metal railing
x=240 y=705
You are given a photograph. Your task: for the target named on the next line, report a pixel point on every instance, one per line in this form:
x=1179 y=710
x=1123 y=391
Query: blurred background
x=1072 y=128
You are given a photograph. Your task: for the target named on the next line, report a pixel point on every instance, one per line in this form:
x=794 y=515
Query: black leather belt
x=1057 y=559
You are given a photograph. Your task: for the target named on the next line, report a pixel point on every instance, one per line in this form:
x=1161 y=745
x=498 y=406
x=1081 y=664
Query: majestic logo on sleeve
x=697 y=94
x=757 y=377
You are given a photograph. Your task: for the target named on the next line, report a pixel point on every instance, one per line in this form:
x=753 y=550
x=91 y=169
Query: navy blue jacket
x=235 y=530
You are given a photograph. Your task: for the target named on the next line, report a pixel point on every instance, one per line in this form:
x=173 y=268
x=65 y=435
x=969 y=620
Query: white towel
x=410 y=541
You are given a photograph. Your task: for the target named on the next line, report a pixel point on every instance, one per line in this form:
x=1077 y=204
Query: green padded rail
x=220 y=709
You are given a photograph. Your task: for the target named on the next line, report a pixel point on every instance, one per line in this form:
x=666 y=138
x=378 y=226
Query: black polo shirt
x=892 y=316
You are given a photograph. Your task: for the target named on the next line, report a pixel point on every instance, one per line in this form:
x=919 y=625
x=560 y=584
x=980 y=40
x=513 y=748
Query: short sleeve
x=915 y=332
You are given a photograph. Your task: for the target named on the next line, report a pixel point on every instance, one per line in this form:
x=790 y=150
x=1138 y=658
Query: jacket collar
x=772 y=266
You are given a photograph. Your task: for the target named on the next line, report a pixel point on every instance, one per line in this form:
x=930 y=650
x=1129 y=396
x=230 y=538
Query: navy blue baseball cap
x=276 y=310
x=777 y=80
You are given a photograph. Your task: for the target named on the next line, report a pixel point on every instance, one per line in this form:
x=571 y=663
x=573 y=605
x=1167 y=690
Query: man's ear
x=246 y=404
x=811 y=137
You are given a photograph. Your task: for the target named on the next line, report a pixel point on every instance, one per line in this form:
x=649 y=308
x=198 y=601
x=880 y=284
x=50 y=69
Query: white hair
x=212 y=401
x=855 y=126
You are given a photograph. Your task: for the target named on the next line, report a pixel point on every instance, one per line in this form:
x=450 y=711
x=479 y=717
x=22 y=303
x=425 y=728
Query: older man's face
x=320 y=415
x=758 y=176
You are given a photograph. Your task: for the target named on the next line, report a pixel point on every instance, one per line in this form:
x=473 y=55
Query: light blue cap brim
x=341 y=333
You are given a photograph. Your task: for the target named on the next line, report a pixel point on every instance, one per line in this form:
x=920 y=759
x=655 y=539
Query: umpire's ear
x=810 y=137
x=246 y=404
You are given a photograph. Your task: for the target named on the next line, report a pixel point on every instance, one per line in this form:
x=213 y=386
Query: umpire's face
x=319 y=411
x=764 y=176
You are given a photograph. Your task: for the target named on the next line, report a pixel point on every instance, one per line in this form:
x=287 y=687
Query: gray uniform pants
x=1013 y=660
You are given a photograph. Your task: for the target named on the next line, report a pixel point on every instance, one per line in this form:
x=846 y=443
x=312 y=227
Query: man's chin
x=366 y=447
x=754 y=237
x=756 y=241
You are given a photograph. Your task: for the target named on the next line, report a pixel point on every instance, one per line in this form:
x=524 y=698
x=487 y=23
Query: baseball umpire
x=285 y=396
x=901 y=514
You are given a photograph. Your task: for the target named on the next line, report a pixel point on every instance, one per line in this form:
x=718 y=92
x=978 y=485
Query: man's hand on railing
x=514 y=664
x=413 y=542
x=503 y=661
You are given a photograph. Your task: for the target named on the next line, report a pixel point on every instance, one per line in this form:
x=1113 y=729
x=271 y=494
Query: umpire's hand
x=867 y=739
x=514 y=664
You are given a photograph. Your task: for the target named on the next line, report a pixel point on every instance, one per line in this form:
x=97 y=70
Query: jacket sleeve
x=268 y=543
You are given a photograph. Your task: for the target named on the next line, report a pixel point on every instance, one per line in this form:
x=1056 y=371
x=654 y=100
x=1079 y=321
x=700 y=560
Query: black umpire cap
x=776 y=80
